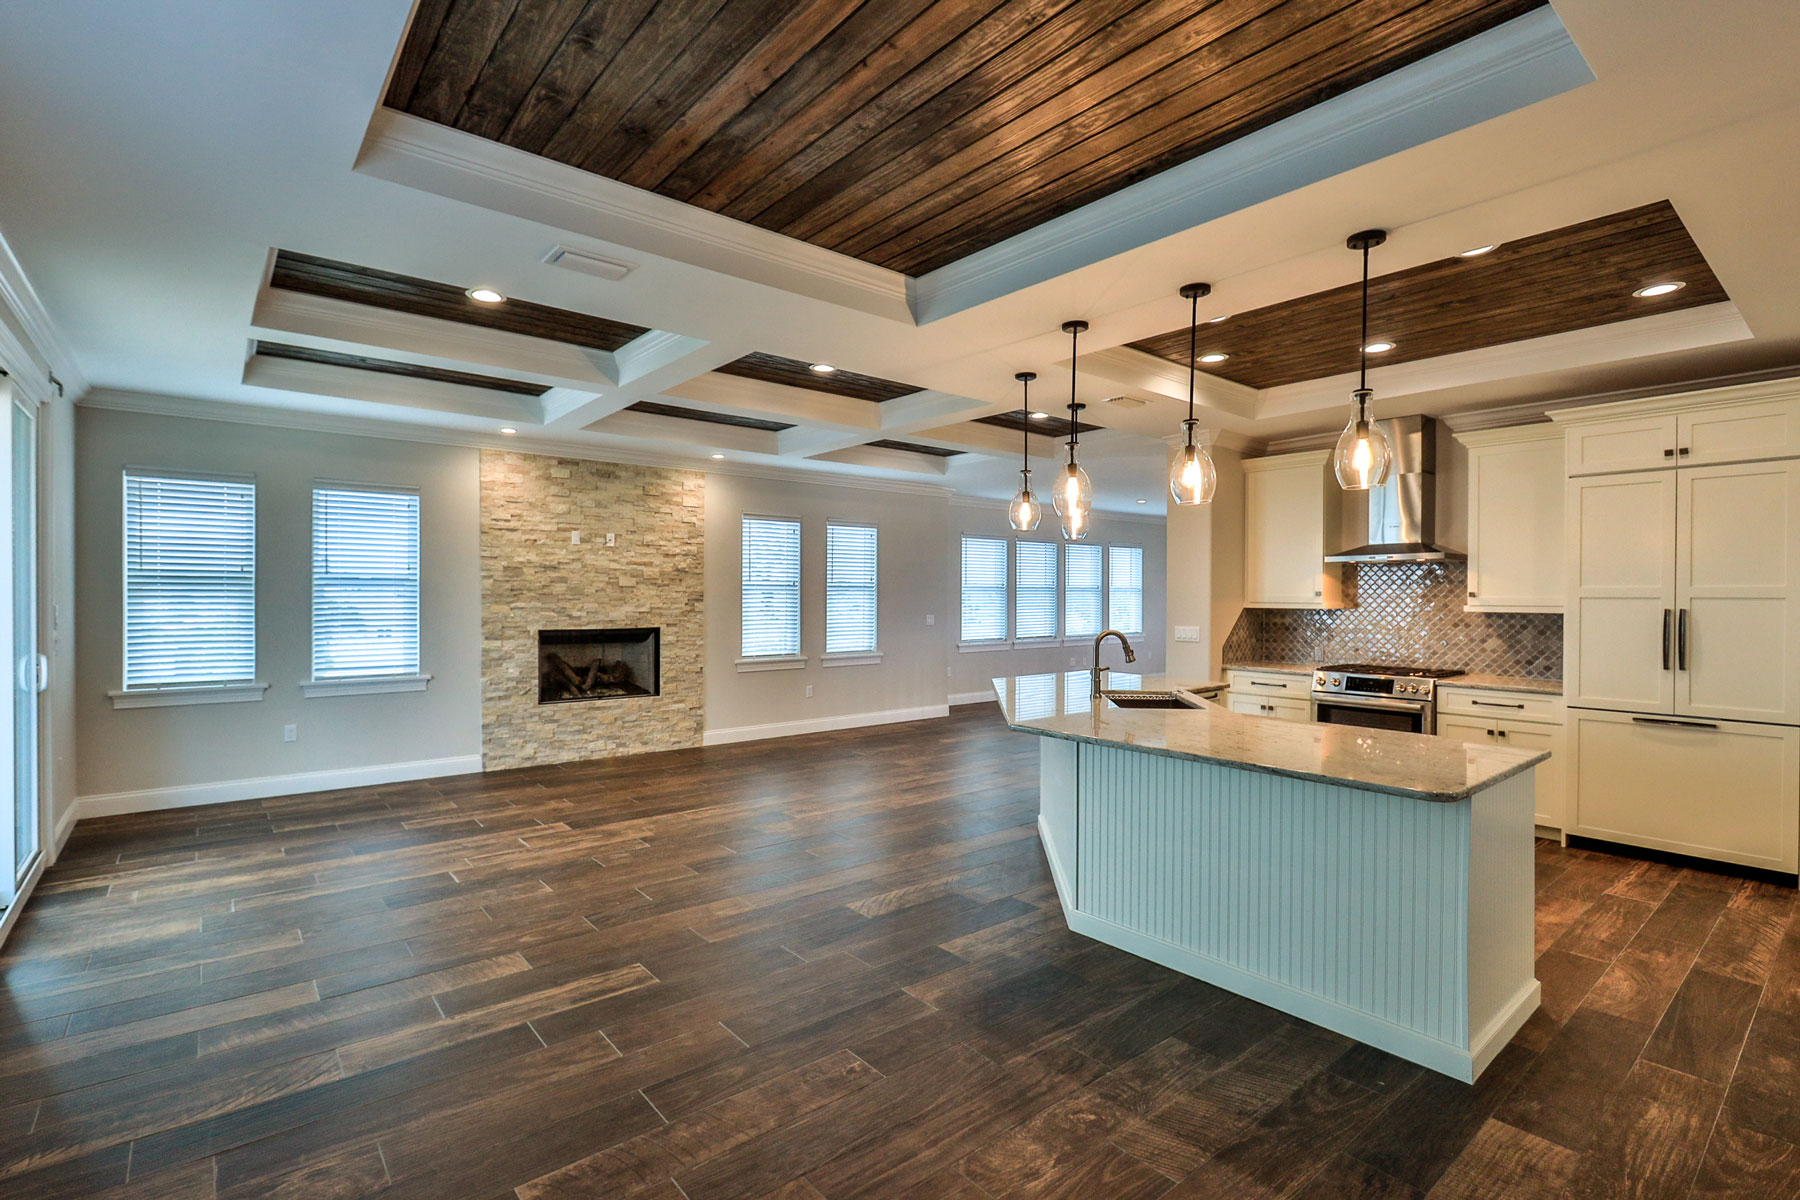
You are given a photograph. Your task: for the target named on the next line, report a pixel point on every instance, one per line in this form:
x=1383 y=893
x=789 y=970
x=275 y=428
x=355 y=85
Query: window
x=365 y=582
x=850 y=600
x=1086 y=566
x=984 y=593
x=1035 y=614
x=1125 y=588
x=771 y=602
x=190 y=580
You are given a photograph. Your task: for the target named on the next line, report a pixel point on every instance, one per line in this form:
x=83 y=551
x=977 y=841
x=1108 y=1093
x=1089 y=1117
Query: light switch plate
x=1187 y=633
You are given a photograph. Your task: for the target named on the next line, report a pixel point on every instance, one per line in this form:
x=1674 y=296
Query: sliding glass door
x=21 y=832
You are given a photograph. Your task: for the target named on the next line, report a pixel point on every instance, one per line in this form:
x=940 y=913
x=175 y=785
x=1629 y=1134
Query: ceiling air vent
x=1122 y=402
x=589 y=263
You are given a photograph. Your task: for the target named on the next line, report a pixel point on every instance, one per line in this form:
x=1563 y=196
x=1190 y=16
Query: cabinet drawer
x=1645 y=443
x=1279 y=707
x=1552 y=775
x=1739 y=433
x=1500 y=706
x=1269 y=683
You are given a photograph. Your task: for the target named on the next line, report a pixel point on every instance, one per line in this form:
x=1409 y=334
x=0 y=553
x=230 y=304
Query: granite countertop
x=1504 y=683
x=1413 y=765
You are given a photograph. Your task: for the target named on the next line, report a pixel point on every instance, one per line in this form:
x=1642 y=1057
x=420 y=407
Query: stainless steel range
x=1378 y=697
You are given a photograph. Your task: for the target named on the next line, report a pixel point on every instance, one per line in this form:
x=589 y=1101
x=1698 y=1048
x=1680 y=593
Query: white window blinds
x=850 y=591
x=1125 y=588
x=771 y=577
x=1086 y=565
x=190 y=580
x=984 y=589
x=365 y=583
x=1035 y=606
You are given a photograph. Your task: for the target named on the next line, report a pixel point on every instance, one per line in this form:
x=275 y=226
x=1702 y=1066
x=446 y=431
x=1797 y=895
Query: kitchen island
x=1376 y=883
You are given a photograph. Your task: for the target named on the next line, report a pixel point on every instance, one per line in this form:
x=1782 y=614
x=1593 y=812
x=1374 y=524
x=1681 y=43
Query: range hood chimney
x=1402 y=515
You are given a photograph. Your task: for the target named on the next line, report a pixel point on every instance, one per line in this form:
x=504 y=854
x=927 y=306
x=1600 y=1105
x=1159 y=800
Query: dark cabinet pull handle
x=1668 y=615
x=1669 y=453
x=1676 y=724
x=1260 y=683
x=1683 y=450
x=1681 y=641
x=1496 y=704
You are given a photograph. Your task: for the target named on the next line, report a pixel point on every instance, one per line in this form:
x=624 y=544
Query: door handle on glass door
x=43 y=673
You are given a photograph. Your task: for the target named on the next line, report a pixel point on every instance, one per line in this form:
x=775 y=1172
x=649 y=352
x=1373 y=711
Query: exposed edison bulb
x=1363 y=458
x=1024 y=512
x=1073 y=497
x=1192 y=476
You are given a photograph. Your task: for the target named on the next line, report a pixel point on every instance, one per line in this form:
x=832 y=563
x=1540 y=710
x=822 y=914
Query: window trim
x=784 y=660
x=415 y=680
x=871 y=654
x=188 y=693
x=364 y=685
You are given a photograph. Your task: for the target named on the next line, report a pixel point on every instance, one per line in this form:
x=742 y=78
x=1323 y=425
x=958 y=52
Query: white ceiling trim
x=1528 y=59
x=36 y=345
x=379 y=387
x=406 y=150
x=1147 y=373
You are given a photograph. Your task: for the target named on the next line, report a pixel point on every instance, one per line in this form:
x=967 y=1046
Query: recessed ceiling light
x=1658 y=289
x=1216 y=320
x=823 y=368
x=1040 y=416
x=1214 y=357
x=485 y=295
x=1142 y=501
x=508 y=429
x=1478 y=251
x=718 y=456
x=1378 y=347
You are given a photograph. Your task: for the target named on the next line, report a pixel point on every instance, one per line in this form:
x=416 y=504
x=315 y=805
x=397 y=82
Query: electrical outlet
x=611 y=538
x=1074 y=660
x=809 y=688
x=290 y=733
x=575 y=537
x=931 y=618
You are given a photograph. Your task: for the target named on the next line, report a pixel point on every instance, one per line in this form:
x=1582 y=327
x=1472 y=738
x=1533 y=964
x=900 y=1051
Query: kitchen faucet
x=1130 y=657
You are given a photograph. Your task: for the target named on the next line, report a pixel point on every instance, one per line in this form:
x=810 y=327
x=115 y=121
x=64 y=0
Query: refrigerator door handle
x=1681 y=641
x=1668 y=616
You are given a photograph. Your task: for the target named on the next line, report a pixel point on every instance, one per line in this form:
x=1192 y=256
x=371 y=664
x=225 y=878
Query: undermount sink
x=1144 y=699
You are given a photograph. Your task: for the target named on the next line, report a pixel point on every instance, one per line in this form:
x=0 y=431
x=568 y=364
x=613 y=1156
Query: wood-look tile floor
x=826 y=967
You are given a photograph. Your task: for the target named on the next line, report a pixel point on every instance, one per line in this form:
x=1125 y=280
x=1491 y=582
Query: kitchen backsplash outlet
x=1408 y=614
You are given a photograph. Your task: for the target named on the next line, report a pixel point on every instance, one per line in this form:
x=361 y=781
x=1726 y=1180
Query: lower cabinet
x=1280 y=707
x=1724 y=790
x=1552 y=776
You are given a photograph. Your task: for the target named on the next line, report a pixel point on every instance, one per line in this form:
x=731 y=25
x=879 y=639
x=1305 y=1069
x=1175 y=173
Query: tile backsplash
x=1408 y=614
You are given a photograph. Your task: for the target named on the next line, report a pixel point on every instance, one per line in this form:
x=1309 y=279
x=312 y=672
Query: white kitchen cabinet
x=1516 y=484
x=1722 y=425
x=1269 y=706
x=1716 y=789
x=1618 y=647
x=1535 y=724
x=1269 y=694
x=1291 y=508
x=1633 y=443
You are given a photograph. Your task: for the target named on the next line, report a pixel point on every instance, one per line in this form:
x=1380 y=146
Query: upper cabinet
x=1291 y=506
x=1726 y=425
x=1515 y=519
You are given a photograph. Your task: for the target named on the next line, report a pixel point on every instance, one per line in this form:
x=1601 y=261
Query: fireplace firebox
x=598 y=664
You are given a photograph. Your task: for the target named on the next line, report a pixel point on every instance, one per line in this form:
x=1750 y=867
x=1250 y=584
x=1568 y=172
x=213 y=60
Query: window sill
x=205 y=693
x=773 y=662
x=851 y=658
x=976 y=647
x=364 y=685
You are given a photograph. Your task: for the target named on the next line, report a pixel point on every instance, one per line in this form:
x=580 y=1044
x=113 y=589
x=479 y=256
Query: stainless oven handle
x=1344 y=701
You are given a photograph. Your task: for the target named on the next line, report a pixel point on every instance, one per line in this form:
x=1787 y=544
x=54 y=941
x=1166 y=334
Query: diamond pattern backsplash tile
x=1408 y=614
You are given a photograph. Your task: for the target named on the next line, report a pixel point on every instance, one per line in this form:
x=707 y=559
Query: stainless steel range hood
x=1402 y=516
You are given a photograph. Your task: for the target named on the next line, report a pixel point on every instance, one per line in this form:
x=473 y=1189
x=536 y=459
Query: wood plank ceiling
x=445 y=301
x=655 y=408
x=1020 y=420
x=361 y=362
x=1576 y=277
x=772 y=368
x=907 y=133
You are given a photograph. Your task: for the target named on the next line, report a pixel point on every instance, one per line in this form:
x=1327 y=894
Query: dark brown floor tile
x=1650 y=1136
x=1559 y=1093
x=1704 y=1026
x=1742 y=1164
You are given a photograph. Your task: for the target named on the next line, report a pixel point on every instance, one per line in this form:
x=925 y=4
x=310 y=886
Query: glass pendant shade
x=1074 y=500
x=1363 y=458
x=1192 y=476
x=1025 y=512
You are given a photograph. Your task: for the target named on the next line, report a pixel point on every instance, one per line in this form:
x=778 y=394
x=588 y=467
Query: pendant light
x=1024 y=512
x=1192 y=476
x=1074 y=492
x=1363 y=457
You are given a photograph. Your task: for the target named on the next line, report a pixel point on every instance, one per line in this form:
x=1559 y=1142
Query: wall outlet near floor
x=290 y=733
x=1187 y=633
x=809 y=688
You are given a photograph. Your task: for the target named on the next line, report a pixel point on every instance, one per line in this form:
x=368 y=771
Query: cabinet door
x=1644 y=443
x=1520 y=736
x=1266 y=706
x=1621 y=570
x=1714 y=789
x=1516 y=527
x=1736 y=596
x=1285 y=510
x=1739 y=433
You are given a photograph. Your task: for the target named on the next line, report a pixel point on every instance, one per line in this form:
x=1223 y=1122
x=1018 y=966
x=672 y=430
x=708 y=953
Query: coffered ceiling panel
x=655 y=409
x=913 y=448
x=907 y=133
x=772 y=368
x=360 y=362
x=445 y=301
x=1020 y=419
x=1572 y=278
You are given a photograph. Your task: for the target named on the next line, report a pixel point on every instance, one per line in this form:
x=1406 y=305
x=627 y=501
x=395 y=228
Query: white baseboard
x=65 y=825
x=756 y=733
x=985 y=696
x=262 y=787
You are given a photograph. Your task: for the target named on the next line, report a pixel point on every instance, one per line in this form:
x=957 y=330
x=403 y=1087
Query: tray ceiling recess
x=913 y=448
x=1020 y=420
x=1577 y=277
x=361 y=362
x=772 y=368
x=653 y=408
x=446 y=301
x=904 y=133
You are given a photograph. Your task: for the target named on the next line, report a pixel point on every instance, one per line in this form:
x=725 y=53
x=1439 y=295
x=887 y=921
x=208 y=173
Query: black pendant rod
x=1192 y=292
x=1365 y=241
x=1025 y=377
x=1074 y=329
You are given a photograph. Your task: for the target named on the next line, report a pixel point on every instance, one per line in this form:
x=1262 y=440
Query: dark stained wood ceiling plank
x=445 y=301
x=468 y=35
x=421 y=35
x=1146 y=40
x=524 y=48
x=385 y=366
x=596 y=39
x=654 y=409
x=1577 y=277
x=1323 y=60
x=881 y=42
x=912 y=448
x=1019 y=420
x=772 y=368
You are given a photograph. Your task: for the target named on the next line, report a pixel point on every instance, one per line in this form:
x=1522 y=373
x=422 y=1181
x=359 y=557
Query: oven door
x=1372 y=712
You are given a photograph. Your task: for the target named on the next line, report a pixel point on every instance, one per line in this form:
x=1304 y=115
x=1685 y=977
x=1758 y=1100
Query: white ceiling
x=155 y=152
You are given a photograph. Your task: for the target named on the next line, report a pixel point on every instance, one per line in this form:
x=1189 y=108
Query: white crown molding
x=37 y=345
x=1780 y=388
x=316 y=422
x=1509 y=435
x=1521 y=62
x=997 y=504
x=420 y=154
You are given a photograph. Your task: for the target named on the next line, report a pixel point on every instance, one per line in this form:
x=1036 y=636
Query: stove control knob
x=1407 y=687
x=1337 y=681
x=1318 y=681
